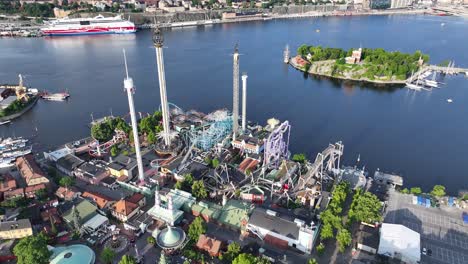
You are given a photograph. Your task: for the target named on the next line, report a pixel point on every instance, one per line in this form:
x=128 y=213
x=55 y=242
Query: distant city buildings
x=401 y=3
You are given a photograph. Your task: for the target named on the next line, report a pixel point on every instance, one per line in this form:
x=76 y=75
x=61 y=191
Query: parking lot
x=442 y=229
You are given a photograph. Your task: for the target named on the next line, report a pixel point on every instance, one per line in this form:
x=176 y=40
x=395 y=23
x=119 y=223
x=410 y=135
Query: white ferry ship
x=85 y=26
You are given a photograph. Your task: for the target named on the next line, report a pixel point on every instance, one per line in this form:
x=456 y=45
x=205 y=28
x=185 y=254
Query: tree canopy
x=331 y=217
x=196 y=228
x=373 y=62
x=233 y=250
x=246 y=258
x=186 y=183
x=126 y=259
x=151 y=240
x=438 y=191
x=104 y=131
x=107 y=255
x=66 y=181
x=366 y=207
x=199 y=190
x=32 y=249
x=301 y=157
x=344 y=239
x=415 y=190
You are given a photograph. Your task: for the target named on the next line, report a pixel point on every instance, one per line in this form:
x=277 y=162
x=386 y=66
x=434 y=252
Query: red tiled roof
x=135 y=198
x=209 y=244
x=29 y=168
x=7 y=182
x=124 y=207
x=12 y=193
x=100 y=199
x=65 y=193
x=34 y=188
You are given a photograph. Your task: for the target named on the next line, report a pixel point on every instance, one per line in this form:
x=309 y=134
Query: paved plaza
x=442 y=229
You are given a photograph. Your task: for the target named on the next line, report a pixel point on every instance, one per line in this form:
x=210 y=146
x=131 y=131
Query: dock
x=440 y=69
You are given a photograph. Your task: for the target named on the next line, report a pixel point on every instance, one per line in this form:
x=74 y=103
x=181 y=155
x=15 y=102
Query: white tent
x=400 y=242
x=96 y=222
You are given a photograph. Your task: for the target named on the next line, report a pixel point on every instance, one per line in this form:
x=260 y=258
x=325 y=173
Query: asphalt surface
x=442 y=229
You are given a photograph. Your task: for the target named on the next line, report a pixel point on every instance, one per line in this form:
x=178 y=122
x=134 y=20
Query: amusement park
x=179 y=176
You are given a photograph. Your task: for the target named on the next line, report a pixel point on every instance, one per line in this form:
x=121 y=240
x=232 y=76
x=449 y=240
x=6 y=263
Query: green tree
x=233 y=250
x=151 y=137
x=312 y=261
x=438 y=191
x=32 y=249
x=114 y=151
x=366 y=207
x=405 y=191
x=299 y=157
x=326 y=232
x=207 y=160
x=178 y=185
x=415 y=190
x=67 y=181
x=151 y=240
x=215 y=163
x=245 y=258
x=320 y=249
x=199 y=190
x=196 y=228
x=126 y=259
x=344 y=239
x=107 y=255
x=41 y=194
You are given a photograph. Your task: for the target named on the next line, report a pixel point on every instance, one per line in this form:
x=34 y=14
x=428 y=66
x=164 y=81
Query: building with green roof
x=235 y=214
x=84 y=209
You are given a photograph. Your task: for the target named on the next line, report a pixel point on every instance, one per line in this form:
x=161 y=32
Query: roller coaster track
x=325 y=161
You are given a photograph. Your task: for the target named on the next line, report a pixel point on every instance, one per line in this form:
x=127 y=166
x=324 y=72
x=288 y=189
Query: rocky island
x=363 y=64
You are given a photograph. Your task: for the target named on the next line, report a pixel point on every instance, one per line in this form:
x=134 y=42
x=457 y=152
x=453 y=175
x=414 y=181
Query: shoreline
x=20 y=113
x=293 y=63
x=34 y=31
x=268 y=17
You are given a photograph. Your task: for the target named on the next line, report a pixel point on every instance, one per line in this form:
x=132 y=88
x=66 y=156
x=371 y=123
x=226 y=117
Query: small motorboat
x=449 y=100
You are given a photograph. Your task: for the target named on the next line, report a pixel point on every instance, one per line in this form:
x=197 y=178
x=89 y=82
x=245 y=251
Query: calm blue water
x=417 y=134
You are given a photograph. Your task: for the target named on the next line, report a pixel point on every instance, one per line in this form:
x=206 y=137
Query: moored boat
x=55 y=96
x=87 y=26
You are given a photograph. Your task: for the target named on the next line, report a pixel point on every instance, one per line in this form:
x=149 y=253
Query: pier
x=435 y=68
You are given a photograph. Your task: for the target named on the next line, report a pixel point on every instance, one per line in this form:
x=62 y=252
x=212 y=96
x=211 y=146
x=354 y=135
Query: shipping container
x=415 y=199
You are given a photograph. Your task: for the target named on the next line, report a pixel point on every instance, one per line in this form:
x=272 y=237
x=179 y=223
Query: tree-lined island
x=363 y=64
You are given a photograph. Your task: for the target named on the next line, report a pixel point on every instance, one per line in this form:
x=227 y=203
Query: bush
x=416 y=190
x=299 y=157
x=320 y=249
x=438 y=191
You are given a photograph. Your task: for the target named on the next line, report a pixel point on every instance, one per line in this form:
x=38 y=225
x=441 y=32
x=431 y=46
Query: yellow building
x=15 y=229
x=122 y=166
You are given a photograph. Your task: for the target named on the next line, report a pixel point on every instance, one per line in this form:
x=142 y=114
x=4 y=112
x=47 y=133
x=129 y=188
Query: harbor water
x=416 y=134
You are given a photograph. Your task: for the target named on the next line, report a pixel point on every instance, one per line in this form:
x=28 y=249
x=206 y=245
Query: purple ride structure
x=276 y=146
